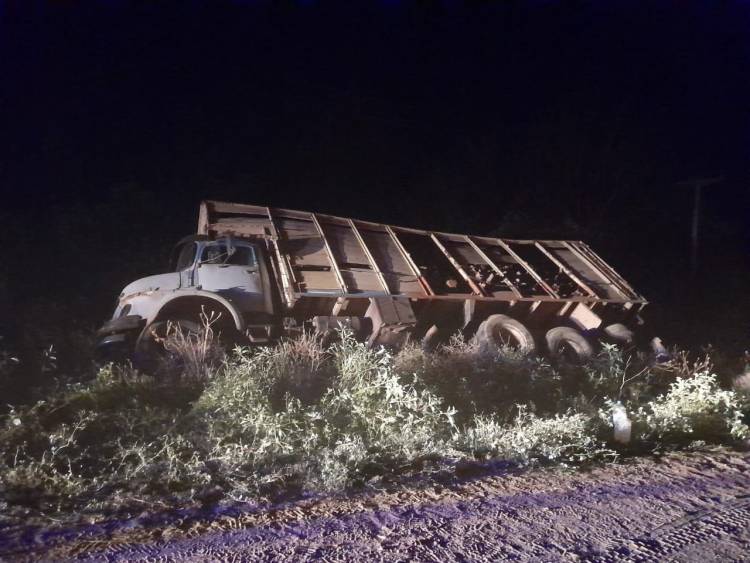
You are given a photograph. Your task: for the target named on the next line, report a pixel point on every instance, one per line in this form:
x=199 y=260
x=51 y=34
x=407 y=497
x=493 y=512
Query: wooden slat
x=600 y=269
x=203 y=213
x=334 y=265
x=586 y=262
x=284 y=266
x=474 y=287
x=426 y=286
x=369 y=255
x=622 y=281
x=491 y=263
x=565 y=269
x=528 y=268
x=240 y=208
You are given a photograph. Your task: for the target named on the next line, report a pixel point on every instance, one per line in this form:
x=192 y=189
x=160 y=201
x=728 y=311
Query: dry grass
x=301 y=416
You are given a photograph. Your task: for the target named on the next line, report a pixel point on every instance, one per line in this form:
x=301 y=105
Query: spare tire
x=565 y=343
x=618 y=333
x=497 y=331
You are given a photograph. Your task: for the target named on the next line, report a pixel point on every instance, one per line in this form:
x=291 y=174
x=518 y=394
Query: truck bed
x=329 y=256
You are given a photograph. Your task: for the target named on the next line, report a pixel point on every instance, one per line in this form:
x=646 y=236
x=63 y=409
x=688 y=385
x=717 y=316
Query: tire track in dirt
x=724 y=533
x=628 y=512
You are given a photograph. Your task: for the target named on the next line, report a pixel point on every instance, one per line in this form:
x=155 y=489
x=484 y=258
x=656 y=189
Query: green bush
x=299 y=415
x=695 y=408
x=564 y=437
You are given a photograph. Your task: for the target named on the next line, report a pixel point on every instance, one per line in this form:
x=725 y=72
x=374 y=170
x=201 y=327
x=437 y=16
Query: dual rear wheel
x=562 y=342
x=566 y=343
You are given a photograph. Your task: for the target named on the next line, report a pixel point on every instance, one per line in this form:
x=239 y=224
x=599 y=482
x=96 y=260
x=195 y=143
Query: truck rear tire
x=433 y=338
x=497 y=331
x=567 y=343
x=618 y=333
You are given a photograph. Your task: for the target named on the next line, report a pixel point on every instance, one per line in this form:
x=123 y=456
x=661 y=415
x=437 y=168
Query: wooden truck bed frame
x=336 y=265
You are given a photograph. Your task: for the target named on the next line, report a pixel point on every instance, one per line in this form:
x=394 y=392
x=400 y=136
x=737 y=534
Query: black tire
x=497 y=331
x=433 y=338
x=565 y=343
x=328 y=338
x=150 y=354
x=618 y=333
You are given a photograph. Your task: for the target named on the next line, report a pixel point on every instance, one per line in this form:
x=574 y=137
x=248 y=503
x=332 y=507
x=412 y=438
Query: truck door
x=233 y=271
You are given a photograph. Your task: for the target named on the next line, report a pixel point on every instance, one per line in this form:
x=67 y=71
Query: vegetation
x=298 y=417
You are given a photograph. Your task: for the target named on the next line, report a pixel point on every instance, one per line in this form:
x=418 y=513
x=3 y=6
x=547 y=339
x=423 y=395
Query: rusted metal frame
x=580 y=249
x=460 y=269
x=426 y=286
x=565 y=269
x=529 y=269
x=286 y=282
x=336 y=270
x=370 y=257
x=484 y=256
x=606 y=273
x=543 y=298
x=617 y=277
x=599 y=268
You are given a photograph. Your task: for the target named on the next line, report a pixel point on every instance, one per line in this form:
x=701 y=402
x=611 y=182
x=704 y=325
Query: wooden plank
x=483 y=255
x=369 y=255
x=528 y=268
x=409 y=261
x=474 y=287
x=334 y=265
x=565 y=269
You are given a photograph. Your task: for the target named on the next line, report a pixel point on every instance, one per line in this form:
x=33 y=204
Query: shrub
x=299 y=415
x=481 y=381
x=402 y=420
x=694 y=408
x=564 y=437
x=191 y=355
x=366 y=417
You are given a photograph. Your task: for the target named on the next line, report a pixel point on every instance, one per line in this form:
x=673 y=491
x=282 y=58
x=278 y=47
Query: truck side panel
x=323 y=255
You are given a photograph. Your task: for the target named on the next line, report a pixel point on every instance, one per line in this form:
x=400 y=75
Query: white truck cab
x=226 y=276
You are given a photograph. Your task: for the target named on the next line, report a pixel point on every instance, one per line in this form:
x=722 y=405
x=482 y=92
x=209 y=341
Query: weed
x=299 y=415
x=694 y=408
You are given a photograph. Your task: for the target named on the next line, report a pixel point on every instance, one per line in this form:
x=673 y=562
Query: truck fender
x=193 y=294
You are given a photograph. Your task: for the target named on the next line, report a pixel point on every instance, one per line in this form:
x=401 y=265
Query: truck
x=265 y=273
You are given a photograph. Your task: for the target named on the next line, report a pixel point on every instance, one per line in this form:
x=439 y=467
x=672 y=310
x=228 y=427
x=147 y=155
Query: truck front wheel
x=151 y=355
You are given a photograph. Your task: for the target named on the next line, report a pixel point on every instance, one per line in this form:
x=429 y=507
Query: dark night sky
x=537 y=118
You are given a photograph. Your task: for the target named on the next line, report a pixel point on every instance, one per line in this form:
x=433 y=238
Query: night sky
x=541 y=119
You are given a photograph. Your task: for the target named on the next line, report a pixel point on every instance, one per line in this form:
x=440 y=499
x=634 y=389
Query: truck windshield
x=217 y=254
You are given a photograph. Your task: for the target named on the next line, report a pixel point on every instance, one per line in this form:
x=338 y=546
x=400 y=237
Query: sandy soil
x=683 y=507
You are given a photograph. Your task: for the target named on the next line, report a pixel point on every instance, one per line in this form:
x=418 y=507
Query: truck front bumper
x=116 y=338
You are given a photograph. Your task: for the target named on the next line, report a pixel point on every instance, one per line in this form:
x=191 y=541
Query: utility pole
x=697 y=184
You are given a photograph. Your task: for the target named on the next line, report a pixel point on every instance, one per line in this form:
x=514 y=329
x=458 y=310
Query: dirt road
x=688 y=507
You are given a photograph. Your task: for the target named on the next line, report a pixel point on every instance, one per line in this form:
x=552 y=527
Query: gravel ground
x=682 y=507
